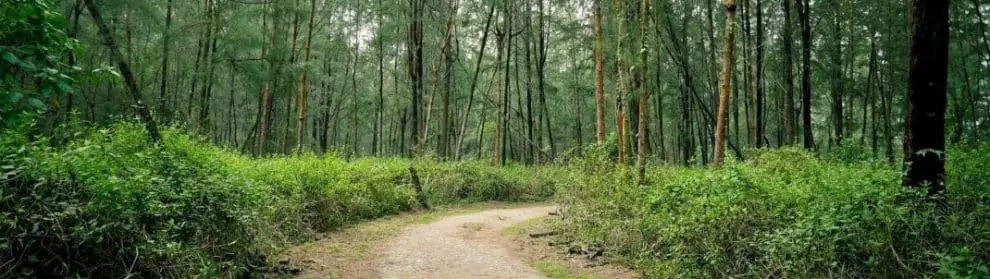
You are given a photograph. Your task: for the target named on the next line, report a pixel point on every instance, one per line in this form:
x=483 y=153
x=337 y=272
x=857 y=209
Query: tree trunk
x=380 y=109
x=789 y=112
x=125 y=70
x=303 y=92
x=726 y=83
x=166 y=48
x=415 y=49
x=599 y=75
x=474 y=85
x=926 y=94
x=805 y=15
x=644 y=98
x=760 y=83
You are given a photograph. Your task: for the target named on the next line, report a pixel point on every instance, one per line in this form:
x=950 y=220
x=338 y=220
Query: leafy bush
x=108 y=203
x=784 y=214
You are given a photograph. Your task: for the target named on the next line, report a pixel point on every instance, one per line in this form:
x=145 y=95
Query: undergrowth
x=783 y=214
x=105 y=202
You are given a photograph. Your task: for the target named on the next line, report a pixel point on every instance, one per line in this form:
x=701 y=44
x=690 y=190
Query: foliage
x=785 y=214
x=32 y=70
x=110 y=204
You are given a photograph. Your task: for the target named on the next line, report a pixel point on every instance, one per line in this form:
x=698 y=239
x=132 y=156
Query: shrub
x=784 y=214
x=108 y=203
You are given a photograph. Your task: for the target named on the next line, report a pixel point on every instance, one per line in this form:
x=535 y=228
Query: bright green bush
x=784 y=214
x=107 y=203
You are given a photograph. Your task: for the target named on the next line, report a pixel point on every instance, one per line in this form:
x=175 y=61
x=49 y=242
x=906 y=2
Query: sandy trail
x=465 y=246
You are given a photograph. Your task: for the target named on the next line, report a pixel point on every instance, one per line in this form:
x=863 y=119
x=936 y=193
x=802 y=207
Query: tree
x=926 y=94
x=644 y=98
x=804 y=13
x=726 y=81
x=415 y=56
x=599 y=75
x=125 y=71
x=303 y=92
x=789 y=112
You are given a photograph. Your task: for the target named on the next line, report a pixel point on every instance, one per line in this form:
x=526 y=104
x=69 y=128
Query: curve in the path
x=460 y=247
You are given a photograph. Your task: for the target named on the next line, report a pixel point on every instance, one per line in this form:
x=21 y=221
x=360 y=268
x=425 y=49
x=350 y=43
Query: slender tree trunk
x=726 y=84
x=474 y=85
x=125 y=70
x=166 y=48
x=303 y=92
x=415 y=49
x=644 y=98
x=599 y=75
x=760 y=83
x=805 y=15
x=448 y=54
x=380 y=109
x=541 y=75
x=789 y=112
x=926 y=94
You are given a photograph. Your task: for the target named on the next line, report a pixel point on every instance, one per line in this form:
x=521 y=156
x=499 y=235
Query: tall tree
x=599 y=75
x=125 y=70
x=804 y=13
x=414 y=47
x=644 y=98
x=726 y=81
x=474 y=84
x=166 y=50
x=926 y=95
x=789 y=112
x=303 y=90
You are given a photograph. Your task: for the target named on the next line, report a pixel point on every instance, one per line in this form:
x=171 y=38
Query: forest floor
x=488 y=240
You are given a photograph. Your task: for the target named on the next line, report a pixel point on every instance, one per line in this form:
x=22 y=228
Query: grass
x=524 y=227
x=553 y=270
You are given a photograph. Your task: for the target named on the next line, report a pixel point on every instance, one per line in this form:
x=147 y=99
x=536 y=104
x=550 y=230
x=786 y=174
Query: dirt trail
x=465 y=246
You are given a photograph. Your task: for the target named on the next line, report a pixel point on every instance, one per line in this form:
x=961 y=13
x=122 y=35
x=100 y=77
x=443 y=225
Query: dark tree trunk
x=760 y=83
x=125 y=70
x=805 y=15
x=474 y=85
x=789 y=112
x=926 y=94
x=166 y=49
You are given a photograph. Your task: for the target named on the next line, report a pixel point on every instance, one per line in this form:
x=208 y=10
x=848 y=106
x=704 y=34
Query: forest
x=683 y=139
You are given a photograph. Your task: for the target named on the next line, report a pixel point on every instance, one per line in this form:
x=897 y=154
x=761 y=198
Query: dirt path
x=464 y=246
x=454 y=242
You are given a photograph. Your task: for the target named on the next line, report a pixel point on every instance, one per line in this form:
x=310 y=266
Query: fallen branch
x=542 y=234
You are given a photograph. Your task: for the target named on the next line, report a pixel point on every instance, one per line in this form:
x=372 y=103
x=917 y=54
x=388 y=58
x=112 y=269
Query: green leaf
x=16 y=97
x=11 y=58
x=34 y=102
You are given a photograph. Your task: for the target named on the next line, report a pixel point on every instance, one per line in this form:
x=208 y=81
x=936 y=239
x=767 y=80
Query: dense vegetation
x=784 y=214
x=107 y=203
x=194 y=138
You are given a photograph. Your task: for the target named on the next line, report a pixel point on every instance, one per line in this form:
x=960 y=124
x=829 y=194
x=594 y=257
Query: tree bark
x=644 y=98
x=599 y=75
x=726 y=83
x=805 y=15
x=926 y=94
x=303 y=92
x=789 y=111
